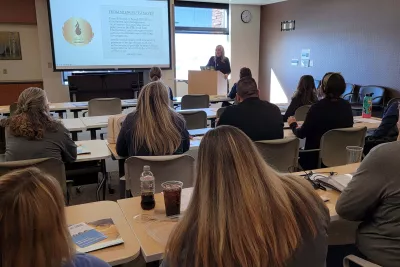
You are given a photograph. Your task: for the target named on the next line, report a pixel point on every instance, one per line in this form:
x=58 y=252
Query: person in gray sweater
x=243 y=213
x=32 y=133
x=373 y=197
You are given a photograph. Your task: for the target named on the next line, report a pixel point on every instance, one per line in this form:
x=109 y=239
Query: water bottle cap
x=146 y=168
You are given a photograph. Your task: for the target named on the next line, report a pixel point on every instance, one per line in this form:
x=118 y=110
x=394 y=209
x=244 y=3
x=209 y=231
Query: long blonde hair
x=157 y=125
x=242 y=213
x=33 y=228
x=222 y=53
x=32 y=118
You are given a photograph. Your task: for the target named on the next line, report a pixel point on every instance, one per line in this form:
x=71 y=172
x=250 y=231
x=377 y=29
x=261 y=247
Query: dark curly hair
x=32 y=117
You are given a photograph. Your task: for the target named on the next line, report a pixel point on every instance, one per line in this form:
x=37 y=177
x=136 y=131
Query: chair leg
x=111 y=190
x=69 y=188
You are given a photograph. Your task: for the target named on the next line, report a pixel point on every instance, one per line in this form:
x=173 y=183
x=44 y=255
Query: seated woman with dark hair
x=33 y=133
x=332 y=112
x=304 y=95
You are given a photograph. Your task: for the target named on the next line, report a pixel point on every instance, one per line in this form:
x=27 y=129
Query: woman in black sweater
x=332 y=112
x=154 y=129
x=304 y=95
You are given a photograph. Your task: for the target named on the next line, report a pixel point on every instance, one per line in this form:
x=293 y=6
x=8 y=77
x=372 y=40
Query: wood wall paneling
x=9 y=92
x=17 y=11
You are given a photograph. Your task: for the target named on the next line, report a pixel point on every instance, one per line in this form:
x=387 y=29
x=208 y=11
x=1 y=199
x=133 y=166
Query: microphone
x=215 y=63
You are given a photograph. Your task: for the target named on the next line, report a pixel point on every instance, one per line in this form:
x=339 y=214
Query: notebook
x=336 y=182
x=95 y=235
x=82 y=150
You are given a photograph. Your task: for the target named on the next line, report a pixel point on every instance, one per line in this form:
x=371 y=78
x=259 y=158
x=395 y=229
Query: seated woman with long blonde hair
x=33 y=227
x=154 y=129
x=32 y=133
x=243 y=213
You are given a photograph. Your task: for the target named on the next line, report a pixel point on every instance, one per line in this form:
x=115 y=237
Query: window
x=199 y=28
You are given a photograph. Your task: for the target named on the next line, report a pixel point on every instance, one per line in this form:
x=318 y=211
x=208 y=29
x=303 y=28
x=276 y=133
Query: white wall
x=56 y=92
x=245 y=41
x=27 y=69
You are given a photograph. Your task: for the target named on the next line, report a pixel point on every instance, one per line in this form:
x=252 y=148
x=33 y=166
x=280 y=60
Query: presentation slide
x=110 y=34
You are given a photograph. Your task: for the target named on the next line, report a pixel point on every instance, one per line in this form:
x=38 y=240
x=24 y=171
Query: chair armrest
x=357 y=260
x=350 y=95
x=85 y=113
x=347 y=95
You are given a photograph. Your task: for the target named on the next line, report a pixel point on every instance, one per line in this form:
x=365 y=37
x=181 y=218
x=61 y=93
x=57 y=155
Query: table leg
x=75 y=135
x=103 y=182
x=60 y=113
x=93 y=135
x=212 y=123
x=121 y=173
x=153 y=264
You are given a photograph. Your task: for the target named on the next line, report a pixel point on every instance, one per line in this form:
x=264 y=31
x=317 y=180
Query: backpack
x=114 y=127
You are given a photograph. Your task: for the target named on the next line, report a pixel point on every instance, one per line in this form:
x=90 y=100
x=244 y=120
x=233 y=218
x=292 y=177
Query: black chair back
x=378 y=96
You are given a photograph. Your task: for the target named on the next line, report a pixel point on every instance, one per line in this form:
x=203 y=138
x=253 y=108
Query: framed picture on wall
x=10 y=46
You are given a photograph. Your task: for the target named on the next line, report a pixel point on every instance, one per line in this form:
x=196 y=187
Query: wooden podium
x=208 y=82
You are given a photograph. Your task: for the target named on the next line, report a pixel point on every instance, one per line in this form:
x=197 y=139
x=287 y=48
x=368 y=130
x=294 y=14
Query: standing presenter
x=219 y=62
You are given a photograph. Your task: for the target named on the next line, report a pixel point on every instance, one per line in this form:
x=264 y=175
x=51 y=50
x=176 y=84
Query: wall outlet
x=5 y=71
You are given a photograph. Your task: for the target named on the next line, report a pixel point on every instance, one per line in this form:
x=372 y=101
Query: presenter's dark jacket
x=259 y=119
x=323 y=116
x=125 y=141
x=224 y=67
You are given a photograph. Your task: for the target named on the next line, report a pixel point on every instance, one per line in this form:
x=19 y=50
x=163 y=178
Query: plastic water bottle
x=147 y=189
x=367 y=106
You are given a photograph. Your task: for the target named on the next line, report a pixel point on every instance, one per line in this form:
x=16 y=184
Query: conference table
x=115 y=255
x=359 y=122
x=92 y=124
x=76 y=107
x=152 y=242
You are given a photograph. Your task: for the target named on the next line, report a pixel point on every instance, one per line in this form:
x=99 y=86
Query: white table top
x=102 y=121
x=73 y=125
x=98 y=149
x=211 y=112
x=116 y=255
x=199 y=132
x=151 y=249
x=95 y=121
